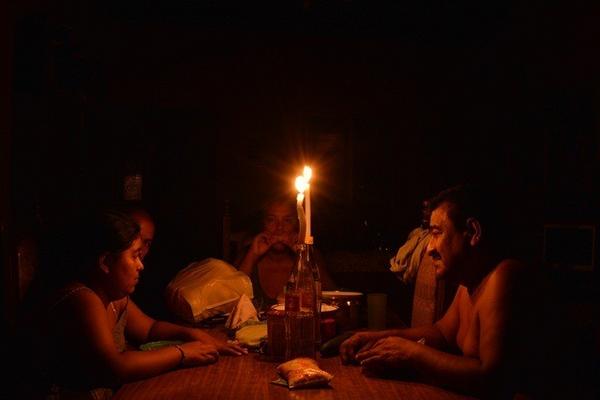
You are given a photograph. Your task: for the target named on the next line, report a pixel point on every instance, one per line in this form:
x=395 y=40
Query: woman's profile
x=84 y=329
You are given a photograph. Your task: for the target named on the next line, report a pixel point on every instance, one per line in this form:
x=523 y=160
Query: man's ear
x=473 y=231
x=104 y=262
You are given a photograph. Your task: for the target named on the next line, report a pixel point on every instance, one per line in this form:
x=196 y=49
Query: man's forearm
x=453 y=371
x=432 y=335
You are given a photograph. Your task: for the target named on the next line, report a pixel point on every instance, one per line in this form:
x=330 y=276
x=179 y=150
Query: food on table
x=303 y=372
x=252 y=335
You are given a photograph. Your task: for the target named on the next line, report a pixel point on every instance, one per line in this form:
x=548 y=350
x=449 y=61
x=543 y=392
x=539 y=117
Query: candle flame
x=301 y=184
x=307 y=173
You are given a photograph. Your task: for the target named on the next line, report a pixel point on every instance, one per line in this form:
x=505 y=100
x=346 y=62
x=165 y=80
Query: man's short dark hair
x=470 y=201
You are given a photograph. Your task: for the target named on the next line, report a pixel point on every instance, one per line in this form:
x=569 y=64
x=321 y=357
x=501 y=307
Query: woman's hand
x=356 y=343
x=223 y=347
x=199 y=353
x=230 y=348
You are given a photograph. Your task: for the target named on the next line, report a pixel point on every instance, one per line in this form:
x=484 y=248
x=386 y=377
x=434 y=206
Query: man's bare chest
x=467 y=338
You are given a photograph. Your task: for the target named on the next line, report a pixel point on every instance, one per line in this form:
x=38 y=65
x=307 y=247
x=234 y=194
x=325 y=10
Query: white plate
x=336 y=294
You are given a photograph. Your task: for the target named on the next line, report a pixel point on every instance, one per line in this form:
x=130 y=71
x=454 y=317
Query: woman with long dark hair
x=84 y=327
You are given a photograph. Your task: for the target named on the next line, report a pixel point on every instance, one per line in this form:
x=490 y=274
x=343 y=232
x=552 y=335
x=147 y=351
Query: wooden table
x=250 y=376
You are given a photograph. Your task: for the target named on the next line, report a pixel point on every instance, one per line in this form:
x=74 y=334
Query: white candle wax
x=301 y=217
x=308 y=238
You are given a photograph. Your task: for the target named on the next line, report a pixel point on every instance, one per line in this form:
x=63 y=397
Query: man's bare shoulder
x=510 y=269
x=507 y=276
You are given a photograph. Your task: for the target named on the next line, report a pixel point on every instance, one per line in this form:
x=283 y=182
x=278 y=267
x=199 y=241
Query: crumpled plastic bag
x=206 y=288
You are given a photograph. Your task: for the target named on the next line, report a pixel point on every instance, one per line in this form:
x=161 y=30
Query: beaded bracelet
x=178 y=347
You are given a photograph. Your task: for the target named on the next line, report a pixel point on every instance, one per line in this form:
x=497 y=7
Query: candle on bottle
x=303 y=188
x=307 y=176
x=301 y=217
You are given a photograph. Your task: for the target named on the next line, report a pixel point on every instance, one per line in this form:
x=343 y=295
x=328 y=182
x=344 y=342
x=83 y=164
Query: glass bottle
x=314 y=267
x=306 y=280
x=292 y=295
x=301 y=316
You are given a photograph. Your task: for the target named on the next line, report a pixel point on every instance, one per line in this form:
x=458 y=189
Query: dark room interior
x=217 y=104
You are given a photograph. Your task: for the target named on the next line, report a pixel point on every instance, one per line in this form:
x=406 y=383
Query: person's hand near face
x=277 y=240
x=281 y=227
x=261 y=244
x=264 y=241
x=284 y=239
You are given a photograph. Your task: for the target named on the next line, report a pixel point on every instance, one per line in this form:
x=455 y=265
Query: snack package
x=303 y=372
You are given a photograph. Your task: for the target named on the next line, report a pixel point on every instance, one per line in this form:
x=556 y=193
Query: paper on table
x=242 y=312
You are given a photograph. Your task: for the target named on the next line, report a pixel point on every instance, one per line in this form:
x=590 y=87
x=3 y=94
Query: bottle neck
x=305 y=256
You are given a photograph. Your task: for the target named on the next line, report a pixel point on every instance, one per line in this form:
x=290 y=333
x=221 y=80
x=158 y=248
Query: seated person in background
x=79 y=328
x=269 y=259
x=147 y=226
x=476 y=345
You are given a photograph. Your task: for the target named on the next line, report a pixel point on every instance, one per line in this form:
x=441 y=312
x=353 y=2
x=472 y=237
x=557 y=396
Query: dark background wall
x=217 y=102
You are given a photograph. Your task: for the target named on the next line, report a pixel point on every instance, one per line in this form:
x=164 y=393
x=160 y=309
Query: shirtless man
x=470 y=349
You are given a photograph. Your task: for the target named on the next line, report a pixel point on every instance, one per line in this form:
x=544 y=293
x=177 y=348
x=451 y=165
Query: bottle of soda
x=300 y=300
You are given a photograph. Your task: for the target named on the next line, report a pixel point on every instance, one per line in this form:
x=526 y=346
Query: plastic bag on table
x=206 y=288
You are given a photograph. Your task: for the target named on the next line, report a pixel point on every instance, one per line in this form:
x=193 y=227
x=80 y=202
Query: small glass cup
x=376 y=310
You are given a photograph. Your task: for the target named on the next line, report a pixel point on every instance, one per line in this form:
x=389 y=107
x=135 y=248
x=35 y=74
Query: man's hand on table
x=356 y=343
x=388 y=353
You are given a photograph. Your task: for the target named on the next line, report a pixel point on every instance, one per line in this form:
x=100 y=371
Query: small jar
x=347 y=316
x=276 y=334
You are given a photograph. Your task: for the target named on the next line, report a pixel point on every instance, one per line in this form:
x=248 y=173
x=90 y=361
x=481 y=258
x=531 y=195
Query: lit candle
x=301 y=187
x=307 y=176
